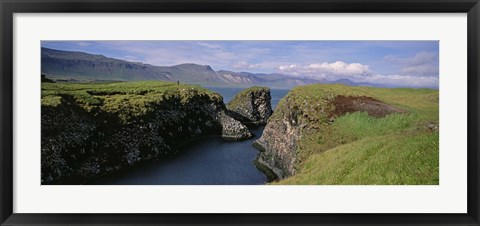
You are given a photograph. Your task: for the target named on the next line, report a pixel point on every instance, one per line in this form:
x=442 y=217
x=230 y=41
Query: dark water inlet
x=211 y=161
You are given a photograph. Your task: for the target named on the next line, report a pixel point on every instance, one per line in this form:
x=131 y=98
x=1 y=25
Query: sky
x=399 y=63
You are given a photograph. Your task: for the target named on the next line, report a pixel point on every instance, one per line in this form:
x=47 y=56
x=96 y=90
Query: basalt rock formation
x=89 y=133
x=251 y=106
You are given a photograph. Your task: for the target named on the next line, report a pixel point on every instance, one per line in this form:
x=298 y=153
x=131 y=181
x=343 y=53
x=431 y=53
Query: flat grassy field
x=400 y=148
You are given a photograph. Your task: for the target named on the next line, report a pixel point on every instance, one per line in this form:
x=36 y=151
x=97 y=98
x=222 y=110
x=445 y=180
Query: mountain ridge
x=80 y=66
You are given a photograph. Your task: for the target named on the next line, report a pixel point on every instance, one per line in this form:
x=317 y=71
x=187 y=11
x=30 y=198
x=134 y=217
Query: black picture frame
x=9 y=7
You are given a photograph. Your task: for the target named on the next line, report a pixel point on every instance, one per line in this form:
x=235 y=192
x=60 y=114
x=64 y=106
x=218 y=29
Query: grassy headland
x=125 y=98
x=355 y=148
x=89 y=130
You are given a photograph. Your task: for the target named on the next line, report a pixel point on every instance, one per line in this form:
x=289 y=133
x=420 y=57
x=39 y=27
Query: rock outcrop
x=232 y=130
x=251 y=106
x=81 y=141
x=278 y=142
x=304 y=110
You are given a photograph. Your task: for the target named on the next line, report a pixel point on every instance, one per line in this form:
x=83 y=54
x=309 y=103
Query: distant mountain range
x=78 y=66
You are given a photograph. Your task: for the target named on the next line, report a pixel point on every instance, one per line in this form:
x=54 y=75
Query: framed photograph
x=239 y=113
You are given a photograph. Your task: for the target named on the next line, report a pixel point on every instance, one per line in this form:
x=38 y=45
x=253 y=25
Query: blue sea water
x=210 y=161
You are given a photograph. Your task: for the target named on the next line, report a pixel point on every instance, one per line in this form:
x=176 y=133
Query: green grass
x=125 y=98
x=410 y=158
x=358 y=149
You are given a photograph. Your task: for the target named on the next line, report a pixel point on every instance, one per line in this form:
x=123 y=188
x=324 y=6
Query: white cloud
x=341 y=68
x=356 y=72
x=290 y=67
x=245 y=65
x=324 y=70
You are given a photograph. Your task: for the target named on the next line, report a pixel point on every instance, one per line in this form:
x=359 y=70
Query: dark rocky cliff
x=251 y=106
x=82 y=140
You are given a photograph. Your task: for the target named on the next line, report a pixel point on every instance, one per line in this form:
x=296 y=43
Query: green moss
x=125 y=98
x=51 y=101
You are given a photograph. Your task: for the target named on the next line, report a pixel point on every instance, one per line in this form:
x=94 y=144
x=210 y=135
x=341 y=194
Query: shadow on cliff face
x=78 y=145
x=374 y=107
x=67 y=133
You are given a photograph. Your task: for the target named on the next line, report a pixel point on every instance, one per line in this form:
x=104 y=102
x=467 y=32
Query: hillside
x=79 y=66
x=84 y=66
x=336 y=134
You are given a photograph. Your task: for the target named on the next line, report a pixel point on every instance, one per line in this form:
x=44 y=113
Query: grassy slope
x=358 y=149
x=125 y=98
